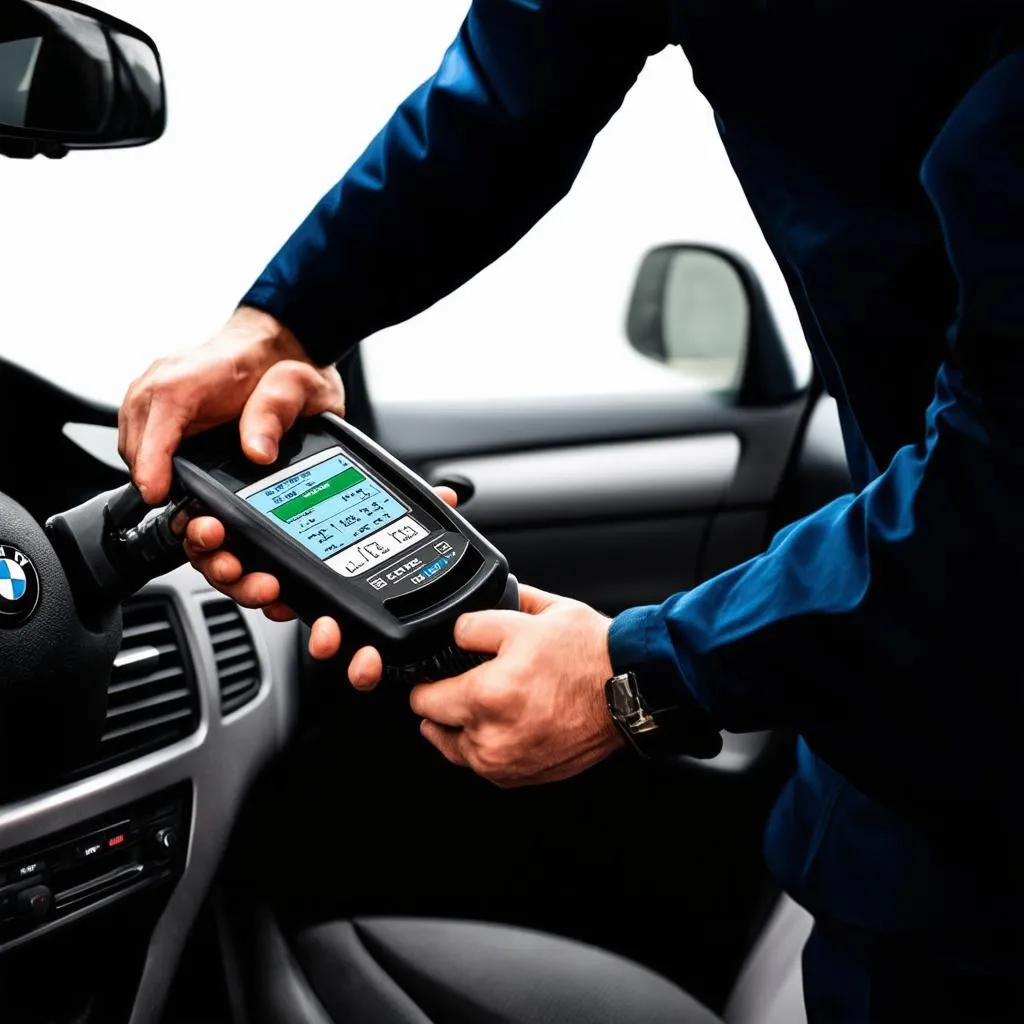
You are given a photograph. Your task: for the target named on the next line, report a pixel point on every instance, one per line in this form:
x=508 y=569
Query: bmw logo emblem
x=19 y=586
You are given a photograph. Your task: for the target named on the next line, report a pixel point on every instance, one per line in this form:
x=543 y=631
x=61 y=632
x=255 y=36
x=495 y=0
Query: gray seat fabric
x=415 y=971
x=770 y=988
x=395 y=971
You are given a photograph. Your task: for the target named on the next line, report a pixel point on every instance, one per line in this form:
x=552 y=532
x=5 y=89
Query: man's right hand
x=253 y=368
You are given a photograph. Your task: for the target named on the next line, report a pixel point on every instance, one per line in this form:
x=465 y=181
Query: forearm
x=466 y=166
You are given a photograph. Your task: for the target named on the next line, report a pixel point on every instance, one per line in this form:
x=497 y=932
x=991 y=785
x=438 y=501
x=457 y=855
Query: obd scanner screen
x=339 y=511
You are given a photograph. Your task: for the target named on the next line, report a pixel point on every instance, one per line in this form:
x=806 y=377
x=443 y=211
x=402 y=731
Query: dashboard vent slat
x=230 y=692
x=154 y=679
x=229 y=635
x=138 y=727
x=140 y=707
x=238 y=670
x=130 y=634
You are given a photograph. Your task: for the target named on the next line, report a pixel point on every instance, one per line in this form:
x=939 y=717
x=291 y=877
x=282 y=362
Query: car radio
x=50 y=881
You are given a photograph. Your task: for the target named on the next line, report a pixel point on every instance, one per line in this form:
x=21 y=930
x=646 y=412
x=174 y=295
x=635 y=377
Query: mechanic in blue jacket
x=881 y=147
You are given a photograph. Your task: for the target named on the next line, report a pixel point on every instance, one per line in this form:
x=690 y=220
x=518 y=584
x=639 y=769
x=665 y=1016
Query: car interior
x=244 y=838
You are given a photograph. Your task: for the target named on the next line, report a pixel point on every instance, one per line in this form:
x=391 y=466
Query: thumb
x=287 y=390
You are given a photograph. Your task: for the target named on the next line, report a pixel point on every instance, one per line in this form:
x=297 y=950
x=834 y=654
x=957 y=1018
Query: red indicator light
x=115 y=840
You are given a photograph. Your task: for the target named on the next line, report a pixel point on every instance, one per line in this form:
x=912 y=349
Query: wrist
x=656 y=707
x=605 y=647
x=264 y=339
x=610 y=732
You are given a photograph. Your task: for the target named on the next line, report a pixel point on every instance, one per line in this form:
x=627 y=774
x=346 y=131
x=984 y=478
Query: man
x=880 y=146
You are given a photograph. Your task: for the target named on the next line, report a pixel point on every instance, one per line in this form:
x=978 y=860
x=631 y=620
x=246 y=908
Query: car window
x=110 y=259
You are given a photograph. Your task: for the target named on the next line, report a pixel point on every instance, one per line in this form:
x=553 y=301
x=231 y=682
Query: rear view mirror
x=72 y=77
x=702 y=312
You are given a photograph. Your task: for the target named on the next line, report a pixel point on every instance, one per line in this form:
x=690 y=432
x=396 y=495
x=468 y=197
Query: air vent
x=238 y=670
x=152 y=700
x=152 y=697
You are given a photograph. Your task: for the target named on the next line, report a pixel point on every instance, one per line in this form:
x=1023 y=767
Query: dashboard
x=189 y=792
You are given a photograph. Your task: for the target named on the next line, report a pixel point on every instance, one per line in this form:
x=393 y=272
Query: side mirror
x=72 y=77
x=703 y=312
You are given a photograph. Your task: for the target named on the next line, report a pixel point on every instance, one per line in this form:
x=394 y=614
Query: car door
x=617 y=501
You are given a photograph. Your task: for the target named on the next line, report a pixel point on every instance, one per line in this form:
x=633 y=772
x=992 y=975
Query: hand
x=203 y=539
x=537 y=712
x=254 y=368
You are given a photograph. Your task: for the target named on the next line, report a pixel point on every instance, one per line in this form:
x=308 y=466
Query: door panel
x=617 y=501
x=628 y=480
x=609 y=565
x=422 y=432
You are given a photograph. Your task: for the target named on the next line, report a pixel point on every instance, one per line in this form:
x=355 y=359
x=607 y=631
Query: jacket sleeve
x=886 y=627
x=467 y=164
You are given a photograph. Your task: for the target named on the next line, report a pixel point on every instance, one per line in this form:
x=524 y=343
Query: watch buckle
x=642 y=722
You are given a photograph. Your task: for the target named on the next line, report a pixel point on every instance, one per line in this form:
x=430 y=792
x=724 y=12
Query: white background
x=108 y=260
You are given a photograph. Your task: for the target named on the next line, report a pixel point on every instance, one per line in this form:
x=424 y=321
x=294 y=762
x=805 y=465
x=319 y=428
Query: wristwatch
x=681 y=730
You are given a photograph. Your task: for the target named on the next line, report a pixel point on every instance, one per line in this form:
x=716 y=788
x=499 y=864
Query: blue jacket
x=881 y=148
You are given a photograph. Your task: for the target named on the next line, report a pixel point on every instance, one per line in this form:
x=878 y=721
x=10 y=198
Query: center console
x=78 y=909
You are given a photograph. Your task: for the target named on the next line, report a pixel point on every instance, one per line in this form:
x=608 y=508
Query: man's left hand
x=537 y=712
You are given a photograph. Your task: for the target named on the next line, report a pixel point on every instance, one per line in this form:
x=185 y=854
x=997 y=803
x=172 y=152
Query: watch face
x=620 y=692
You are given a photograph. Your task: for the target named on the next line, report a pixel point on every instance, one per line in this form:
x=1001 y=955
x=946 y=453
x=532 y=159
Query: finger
x=448 y=741
x=151 y=467
x=447 y=495
x=257 y=590
x=534 y=601
x=279 y=613
x=324 y=639
x=287 y=390
x=445 y=702
x=205 y=534
x=221 y=568
x=366 y=669
x=200 y=562
x=485 y=632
